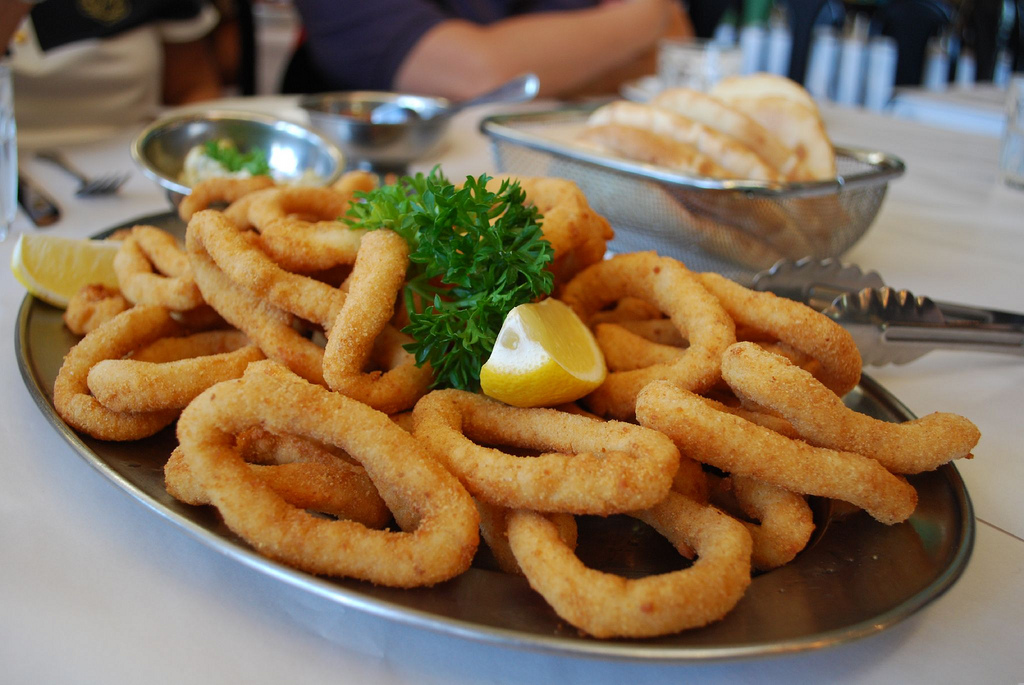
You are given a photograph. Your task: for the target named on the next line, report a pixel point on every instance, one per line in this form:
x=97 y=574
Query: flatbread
x=799 y=127
x=650 y=148
x=763 y=85
x=718 y=115
x=737 y=159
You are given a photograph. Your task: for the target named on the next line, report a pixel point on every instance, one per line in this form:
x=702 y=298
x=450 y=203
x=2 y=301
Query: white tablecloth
x=95 y=588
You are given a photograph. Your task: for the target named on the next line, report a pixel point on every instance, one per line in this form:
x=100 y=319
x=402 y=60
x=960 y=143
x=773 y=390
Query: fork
x=100 y=185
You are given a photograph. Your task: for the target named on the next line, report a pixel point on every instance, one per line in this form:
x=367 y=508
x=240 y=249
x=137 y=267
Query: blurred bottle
x=966 y=68
x=852 y=56
x=780 y=42
x=936 y=67
x=725 y=32
x=821 y=67
x=881 y=72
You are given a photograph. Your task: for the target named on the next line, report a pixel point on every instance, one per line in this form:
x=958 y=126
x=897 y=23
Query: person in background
x=461 y=48
x=86 y=68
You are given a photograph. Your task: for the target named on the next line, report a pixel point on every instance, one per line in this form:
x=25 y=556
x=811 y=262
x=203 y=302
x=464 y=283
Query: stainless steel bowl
x=292 y=149
x=377 y=130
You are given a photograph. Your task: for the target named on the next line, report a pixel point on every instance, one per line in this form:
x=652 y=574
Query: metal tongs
x=891 y=326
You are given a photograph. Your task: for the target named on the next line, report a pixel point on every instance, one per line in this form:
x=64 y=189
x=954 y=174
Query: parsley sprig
x=231 y=158
x=474 y=255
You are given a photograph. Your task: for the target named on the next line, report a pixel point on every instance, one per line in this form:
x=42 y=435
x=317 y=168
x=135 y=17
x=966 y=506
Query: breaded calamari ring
x=376 y=278
x=625 y=350
x=352 y=182
x=821 y=418
x=437 y=516
x=298 y=244
x=258 y=445
x=269 y=327
x=795 y=324
x=152 y=269
x=740 y=447
x=785 y=520
x=660 y=331
x=677 y=292
x=337 y=488
x=245 y=263
x=626 y=309
x=194 y=345
x=600 y=467
x=494 y=531
x=129 y=330
x=606 y=605
x=220 y=190
x=238 y=211
x=134 y=385
x=93 y=305
x=578 y=235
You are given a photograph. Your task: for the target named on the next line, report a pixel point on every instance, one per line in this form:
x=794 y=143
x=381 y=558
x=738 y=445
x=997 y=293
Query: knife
x=40 y=207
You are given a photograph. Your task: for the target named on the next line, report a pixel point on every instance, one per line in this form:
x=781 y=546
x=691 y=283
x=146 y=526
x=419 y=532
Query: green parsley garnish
x=231 y=158
x=474 y=255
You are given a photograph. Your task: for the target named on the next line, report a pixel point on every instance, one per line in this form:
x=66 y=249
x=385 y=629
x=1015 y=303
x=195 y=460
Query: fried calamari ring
x=626 y=309
x=269 y=327
x=437 y=515
x=625 y=350
x=676 y=291
x=194 y=345
x=129 y=330
x=92 y=305
x=578 y=234
x=376 y=278
x=795 y=324
x=601 y=467
x=152 y=269
x=242 y=260
x=821 y=418
x=220 y=190
x=238 y=211
x=333 y=487
x=660 y=331
x=352 y=182
x=606 y=605
x=298 y=244
x=494 y=531
x=786 y=521
x=137 y=385
x=740 y=447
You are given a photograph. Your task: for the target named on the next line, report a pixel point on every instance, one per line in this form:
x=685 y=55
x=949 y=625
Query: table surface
x=96 y=588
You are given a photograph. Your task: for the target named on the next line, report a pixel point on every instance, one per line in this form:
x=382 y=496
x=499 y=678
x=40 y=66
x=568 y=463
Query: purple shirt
x=360 y=44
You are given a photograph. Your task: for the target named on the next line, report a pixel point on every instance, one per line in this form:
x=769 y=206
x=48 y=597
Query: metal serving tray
x=857 y=577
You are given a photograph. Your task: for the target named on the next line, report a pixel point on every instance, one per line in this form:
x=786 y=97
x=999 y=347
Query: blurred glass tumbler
x=8 y=154
x=1011 y=156
x=697 y=64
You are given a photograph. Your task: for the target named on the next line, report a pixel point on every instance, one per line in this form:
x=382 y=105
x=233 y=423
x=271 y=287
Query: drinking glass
x=8 y=154
x=1011 y=156
x=697 y=64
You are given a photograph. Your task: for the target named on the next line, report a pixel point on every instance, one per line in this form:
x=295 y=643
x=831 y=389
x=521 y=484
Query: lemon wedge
x=544 y=356
x=54 y=268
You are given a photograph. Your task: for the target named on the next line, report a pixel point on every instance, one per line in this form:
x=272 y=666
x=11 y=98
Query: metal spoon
x=520 y=89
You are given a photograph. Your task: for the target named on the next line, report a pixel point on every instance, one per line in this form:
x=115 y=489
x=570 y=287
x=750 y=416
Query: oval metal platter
x=857 y=577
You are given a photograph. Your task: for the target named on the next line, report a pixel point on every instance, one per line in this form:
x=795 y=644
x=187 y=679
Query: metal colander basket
x=733 y=227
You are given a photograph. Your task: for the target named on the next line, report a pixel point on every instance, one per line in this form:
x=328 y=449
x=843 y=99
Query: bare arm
x=190 y=73
x=568 y=50
x=11 y=14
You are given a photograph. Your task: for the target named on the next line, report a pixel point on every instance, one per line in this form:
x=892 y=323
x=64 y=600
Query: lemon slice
x=54 y=268
x=544 y=356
